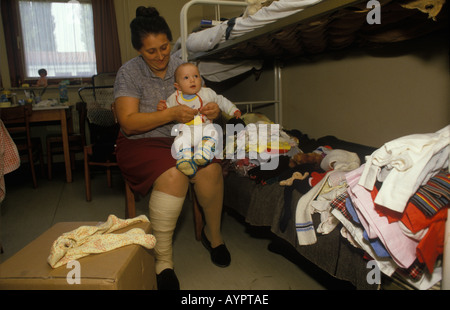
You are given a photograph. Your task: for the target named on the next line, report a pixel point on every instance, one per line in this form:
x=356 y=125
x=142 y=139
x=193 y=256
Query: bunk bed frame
x=231 y=50
x=313 y=12
x=303 y=16
x=251 y=45
x=249 y=105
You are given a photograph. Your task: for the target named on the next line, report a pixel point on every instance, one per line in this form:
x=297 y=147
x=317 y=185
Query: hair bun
x=146 y=12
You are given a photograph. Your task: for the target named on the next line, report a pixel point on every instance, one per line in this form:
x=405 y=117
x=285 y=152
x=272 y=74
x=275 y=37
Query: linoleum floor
x=27 y=212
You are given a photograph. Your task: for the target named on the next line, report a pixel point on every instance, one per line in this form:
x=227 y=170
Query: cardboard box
x=130 y=267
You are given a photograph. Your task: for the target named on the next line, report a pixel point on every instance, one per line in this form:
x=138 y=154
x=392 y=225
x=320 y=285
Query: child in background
x=189 y=91
x=42 y=82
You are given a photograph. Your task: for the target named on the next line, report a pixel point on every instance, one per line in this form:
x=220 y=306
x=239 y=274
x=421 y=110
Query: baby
x=189 y=91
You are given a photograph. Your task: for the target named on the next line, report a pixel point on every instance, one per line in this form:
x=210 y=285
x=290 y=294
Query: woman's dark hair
x=147 y=21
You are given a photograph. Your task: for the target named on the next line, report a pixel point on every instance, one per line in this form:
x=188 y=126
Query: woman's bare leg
x=208 y=186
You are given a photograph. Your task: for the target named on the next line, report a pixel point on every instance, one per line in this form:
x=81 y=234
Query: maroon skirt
x=142 y=161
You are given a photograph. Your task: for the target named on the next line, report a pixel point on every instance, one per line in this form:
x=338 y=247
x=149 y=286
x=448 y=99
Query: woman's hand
x=211 y=110
x=184 y=114
x=134 y=122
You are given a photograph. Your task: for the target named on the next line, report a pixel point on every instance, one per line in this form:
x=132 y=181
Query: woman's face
x=156 y=52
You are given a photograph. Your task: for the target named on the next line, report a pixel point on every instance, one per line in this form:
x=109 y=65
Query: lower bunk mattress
x=361 y=234
x=274 y=206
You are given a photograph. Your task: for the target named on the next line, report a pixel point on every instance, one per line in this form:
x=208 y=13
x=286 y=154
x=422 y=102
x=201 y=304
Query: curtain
x=107 y=45
x=11 y=30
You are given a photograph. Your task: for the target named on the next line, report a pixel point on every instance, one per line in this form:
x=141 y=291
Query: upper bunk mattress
x=207 y=39
x=291 y=28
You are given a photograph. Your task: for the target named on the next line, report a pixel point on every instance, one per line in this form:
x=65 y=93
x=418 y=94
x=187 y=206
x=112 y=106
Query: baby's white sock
x=186 y=163
x=205 y=151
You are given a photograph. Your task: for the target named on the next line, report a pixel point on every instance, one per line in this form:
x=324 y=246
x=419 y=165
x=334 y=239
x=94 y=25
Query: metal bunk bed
x=233 y=49
x=303 y=16
x=337 y=24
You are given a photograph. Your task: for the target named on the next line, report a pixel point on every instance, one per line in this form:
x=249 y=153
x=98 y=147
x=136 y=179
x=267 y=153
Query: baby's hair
x=177 y=70
x=41 y=71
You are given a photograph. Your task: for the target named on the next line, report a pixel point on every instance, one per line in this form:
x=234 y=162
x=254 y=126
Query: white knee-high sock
x=164 y=212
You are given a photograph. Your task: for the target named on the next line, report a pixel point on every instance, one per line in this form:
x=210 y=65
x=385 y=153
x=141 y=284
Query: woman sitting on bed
x=144 y=144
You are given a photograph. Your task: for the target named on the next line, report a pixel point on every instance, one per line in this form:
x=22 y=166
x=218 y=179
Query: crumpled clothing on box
x=87 y=240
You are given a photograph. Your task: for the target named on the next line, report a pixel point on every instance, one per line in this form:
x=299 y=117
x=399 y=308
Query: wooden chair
x=17 y=122
x=76 y=141
x=88 y=162
x=103 y=79
x=96 y=105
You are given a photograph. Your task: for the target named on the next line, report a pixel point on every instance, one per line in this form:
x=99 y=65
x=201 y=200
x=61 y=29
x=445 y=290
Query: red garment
x=432 y=244
x=316 y=177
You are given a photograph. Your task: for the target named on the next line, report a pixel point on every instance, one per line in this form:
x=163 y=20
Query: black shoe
x=167 y=280
x=219 y=255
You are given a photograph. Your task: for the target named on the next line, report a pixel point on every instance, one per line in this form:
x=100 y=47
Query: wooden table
x=56 y=113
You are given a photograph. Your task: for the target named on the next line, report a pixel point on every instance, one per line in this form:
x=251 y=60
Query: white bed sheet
x=207 y=39
x=219 y=71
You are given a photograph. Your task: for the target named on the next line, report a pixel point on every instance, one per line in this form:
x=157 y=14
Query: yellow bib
x=196 y=121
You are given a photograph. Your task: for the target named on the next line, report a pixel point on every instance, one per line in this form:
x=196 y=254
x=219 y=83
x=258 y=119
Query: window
x=57 y=36
x=89 y=44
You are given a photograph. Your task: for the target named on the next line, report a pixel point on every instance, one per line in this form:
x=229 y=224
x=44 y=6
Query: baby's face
x=189 y=80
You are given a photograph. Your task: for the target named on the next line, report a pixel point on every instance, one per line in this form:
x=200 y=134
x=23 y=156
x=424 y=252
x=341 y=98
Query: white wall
x=371 y=99
x=364 y=97
x=126 y=12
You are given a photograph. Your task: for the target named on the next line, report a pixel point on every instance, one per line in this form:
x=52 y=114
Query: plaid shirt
x=9 y=157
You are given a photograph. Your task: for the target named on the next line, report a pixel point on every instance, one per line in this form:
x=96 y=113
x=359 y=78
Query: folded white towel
x=404 y=164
